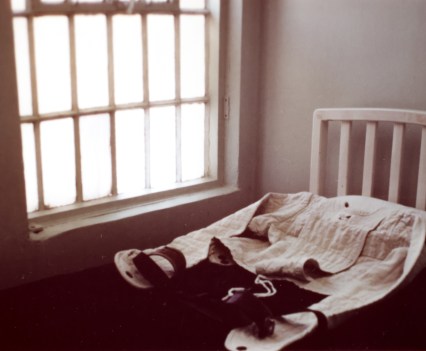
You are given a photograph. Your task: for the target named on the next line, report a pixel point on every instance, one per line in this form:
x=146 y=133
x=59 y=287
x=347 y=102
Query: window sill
x=52 y=225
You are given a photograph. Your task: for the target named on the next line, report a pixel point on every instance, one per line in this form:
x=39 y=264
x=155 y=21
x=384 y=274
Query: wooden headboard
x=399 y=118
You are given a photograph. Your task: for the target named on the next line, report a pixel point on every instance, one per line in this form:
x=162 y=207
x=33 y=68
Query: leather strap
x=175 y=257
x=152 y=272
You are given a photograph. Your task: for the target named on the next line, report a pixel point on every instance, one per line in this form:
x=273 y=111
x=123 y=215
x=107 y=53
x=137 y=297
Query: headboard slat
x=369 y=158
x=421 y=180
x=342 y=179
x=318 y=152
x=396 y=162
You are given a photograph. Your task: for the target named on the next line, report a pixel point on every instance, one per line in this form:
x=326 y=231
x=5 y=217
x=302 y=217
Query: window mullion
x=37 y=136
x=74 y=104
x=145 y=78
x=178 y=109
x=111 y=94
x=207 y=54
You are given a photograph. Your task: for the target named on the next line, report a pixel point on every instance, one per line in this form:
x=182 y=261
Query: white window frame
x=214 y=85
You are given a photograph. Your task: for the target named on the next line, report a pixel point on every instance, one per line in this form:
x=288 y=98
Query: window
x=115 y=100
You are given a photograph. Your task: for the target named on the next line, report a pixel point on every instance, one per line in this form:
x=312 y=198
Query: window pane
x=192 y=141
x=52 y=1
x=30 y=170
x=192 y=56
x=127 y=59
x=192 y=4
x=163 y=146
x=130 y=146
x=161 y=57
x=92 y=63
x=52 y=63
x=18 y=5
x=95 y=156
x=22 y=66
x=57 y=148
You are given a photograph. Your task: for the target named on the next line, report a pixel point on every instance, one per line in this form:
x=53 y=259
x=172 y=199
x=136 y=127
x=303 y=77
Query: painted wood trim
x=318 y=155
x=421 y=180
x=396 y=161
x=74 y=106
x=378 y=115
x=369 y=158
x=344 y=158
x=178 y=108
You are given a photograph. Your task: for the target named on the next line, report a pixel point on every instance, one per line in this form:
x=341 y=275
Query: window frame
x=87 y=242
x=214 y=84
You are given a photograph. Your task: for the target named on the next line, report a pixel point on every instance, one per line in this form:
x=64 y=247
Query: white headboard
x=372 y=117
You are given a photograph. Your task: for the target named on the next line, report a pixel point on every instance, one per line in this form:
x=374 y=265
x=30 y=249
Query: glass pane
x=92 y=62
x=95 y=156
x=128 y=74
x=192 y=4
x=130 y=146
x=58 y=159
x=163 y=146
x=22 y=66
x=161 y=57
x=52 y=1
x=80 y=1
x=30 y=170
x=52 y=63
x=193 y=141
x=192 y=56
x=18 y=5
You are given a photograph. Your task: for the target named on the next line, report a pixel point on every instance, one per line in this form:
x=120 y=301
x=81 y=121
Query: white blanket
x=354 y=249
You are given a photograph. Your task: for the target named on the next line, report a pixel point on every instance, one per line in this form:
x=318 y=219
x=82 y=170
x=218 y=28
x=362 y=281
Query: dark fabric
x=97 y=310
x=398 y=322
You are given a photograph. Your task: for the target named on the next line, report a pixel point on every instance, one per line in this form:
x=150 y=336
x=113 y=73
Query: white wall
x=22 y=260
x=332 y=53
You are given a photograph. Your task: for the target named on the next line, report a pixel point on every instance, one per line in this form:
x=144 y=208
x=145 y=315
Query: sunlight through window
x=193 y=127
x=30 y=168
x=20 y=27
x=161 y=57
x=52 y=63
x=58 y=159
x=18 y=5
x=193 y=56
x=130 y=142
x=113 y=104
x=95 y=156
x=128 y=59
x=92 y=61
x=163 y=146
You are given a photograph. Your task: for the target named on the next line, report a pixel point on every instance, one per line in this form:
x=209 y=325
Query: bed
x=298 y=271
